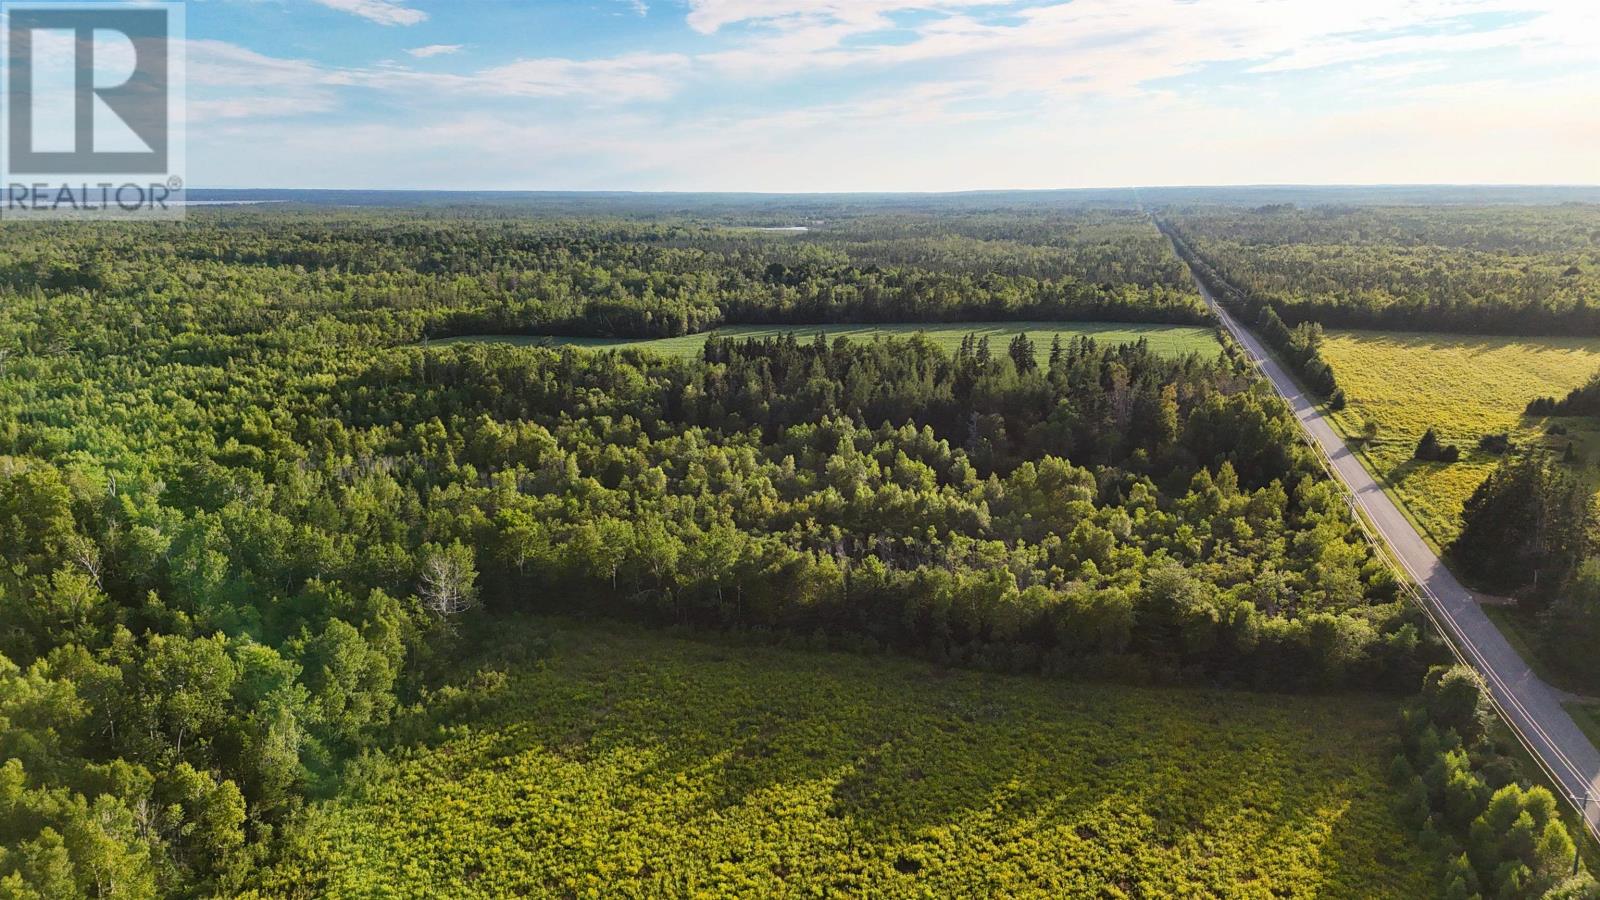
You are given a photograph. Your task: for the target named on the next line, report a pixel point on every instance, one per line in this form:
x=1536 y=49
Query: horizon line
x=953 y=192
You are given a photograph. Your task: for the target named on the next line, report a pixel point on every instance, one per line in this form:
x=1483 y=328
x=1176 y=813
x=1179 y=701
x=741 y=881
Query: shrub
x=1429 y=449
x=1495 y=443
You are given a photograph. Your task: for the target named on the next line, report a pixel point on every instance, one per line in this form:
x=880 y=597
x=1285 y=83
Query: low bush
x=1430 y=449
x=629 y=763
x=1495 y=443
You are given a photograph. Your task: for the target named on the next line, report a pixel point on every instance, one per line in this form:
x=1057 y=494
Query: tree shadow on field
x=1365 y=849
x=1473 y=344
x=1400 y=473
x=954 y=763
x=1106 y=776
x=1198 y=793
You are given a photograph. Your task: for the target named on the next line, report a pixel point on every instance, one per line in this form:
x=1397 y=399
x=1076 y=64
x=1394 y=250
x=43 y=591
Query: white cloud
x=1087 y=92
x=1078 y=48
x=433 y=50
x=384 y=12
x=227 y=81
x=888 y=143
x=635 y=76
x=1119 y=44
x=708 y=16
x=230 y=81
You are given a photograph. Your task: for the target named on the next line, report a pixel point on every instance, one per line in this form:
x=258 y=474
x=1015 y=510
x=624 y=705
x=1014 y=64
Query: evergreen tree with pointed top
x=1022 y=353
x=1430 y=449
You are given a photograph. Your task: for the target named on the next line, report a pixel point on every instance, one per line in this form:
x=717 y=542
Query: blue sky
x=824 y=95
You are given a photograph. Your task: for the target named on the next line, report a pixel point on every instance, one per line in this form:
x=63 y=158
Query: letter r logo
x=77 y=99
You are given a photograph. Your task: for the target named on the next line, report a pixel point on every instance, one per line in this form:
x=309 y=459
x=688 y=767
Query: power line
x=1436 y=610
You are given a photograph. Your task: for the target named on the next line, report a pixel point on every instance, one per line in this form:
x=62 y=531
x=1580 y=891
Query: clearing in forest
x=1175 y=340
x=584 y=759
x=1463 y=386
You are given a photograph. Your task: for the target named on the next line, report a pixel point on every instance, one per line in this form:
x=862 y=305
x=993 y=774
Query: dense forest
x=243 y=519
x=1530 y=528
x=1486 y=270
x=210 y=619
x=1300 y=347
x=393 y=278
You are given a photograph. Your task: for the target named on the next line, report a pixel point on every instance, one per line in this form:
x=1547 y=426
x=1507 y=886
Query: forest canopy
x=390 y=278
x=1478 y=269
x=245 y=514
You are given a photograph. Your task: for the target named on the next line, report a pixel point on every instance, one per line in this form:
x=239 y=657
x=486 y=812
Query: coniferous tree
x=1427 y=448
x=1527 y=521
x=1022 y=353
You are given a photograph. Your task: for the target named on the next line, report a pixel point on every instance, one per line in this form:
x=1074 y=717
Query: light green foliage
x=1454 y=784
x=181 y=693
x=1454 y=699
x=202 y=819
x=232 y=488
x=621 y=764
x=55 y=843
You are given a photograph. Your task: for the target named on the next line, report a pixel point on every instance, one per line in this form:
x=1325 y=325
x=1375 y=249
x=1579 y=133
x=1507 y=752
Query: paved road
x=1533 y=707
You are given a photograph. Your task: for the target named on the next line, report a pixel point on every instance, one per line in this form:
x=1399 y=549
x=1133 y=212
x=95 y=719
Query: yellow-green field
x=1465 y=386
x=625 y=763
x=1174 y=340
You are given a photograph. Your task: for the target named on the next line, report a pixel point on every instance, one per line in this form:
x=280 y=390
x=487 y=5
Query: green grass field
x=1175 y=340
x=1587 y=716
x=616 y=762
x=1465 y=386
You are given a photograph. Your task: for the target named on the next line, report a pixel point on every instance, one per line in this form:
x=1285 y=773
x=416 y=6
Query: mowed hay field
x=1175 y=340
x=616 y=762
x=1465 y=386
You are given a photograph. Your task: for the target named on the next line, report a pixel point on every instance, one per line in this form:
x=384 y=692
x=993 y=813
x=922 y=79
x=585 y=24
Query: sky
x=889 y=95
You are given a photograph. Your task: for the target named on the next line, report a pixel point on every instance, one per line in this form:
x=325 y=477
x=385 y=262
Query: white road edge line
x=1578 y=789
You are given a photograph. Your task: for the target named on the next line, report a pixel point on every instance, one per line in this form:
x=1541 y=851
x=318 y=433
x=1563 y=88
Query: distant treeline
x=1300 y=347
x=1494 y=270
x=395 y=277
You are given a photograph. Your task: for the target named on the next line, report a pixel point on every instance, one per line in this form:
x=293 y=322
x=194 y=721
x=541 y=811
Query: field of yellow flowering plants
x=613 y=762
x=1463 y=387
